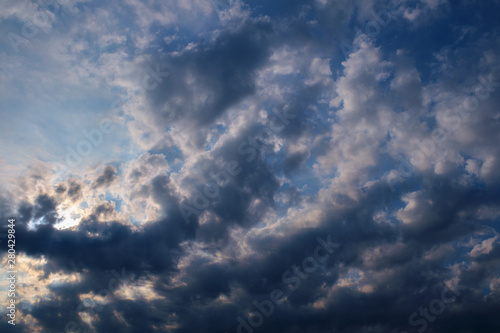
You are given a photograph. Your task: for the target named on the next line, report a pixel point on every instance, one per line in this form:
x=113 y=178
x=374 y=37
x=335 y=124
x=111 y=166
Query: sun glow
x=68 y=217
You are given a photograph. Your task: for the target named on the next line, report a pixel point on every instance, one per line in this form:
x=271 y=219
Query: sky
x=250 y=166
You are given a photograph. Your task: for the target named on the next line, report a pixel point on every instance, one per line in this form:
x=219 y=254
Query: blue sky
x=200 y=149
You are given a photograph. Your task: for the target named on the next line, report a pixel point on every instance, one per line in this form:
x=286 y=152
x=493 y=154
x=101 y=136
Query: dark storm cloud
x=42 y=211
x=153 y=249
x=230 y=195
x=249 y=152
x=72 y=189
x=360 y=233
x=232 y=205
x=77 y=250
x=122 y=247
x=223 y=70
x=354 y=227
x=60 y=189
x=293 y=161
x=106 y=178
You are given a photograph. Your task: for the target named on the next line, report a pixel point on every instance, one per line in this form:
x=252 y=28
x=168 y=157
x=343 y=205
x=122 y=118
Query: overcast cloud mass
x=251 y=166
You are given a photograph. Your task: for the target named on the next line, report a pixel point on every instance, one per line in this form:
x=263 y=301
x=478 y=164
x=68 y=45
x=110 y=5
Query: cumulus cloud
x=268 y=167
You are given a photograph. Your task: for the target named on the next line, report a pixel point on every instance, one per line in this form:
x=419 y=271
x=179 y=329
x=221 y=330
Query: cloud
x=251 y=139
x=106 y=178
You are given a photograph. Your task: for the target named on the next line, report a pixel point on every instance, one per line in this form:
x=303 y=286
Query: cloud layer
x=259 y=166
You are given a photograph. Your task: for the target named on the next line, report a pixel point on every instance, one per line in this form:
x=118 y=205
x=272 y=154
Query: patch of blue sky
x=173 y=155
x=444 y=32
x=116 y=199
x=84 y=205
x=276 y=8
